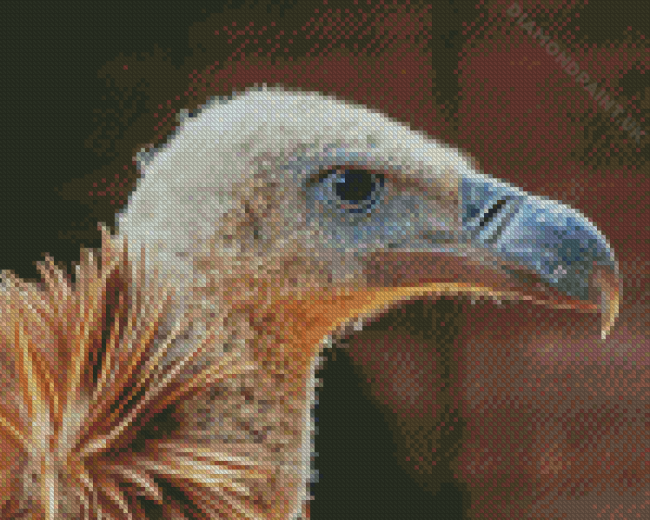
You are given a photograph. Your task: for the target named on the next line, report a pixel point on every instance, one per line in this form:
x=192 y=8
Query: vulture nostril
x=489 y=214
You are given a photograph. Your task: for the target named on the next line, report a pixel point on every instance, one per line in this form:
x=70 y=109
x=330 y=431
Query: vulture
x=174 y=377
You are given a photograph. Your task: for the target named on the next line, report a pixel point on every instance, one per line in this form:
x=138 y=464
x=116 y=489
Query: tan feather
x=87 y=387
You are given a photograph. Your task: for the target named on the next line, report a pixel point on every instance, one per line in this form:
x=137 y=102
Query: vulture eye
x=352 y=190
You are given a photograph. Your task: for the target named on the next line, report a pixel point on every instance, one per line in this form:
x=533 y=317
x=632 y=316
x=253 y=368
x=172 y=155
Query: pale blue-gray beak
x=511 y=244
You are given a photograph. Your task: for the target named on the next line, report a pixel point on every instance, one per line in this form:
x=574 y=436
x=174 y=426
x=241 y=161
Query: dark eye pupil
x=355 y=186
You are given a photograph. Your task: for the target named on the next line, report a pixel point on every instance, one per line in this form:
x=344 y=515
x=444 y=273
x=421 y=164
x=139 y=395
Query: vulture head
x=175 y=378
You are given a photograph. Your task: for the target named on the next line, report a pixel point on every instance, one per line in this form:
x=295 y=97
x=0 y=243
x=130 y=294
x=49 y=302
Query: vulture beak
x=502 y=244
x=509 y=245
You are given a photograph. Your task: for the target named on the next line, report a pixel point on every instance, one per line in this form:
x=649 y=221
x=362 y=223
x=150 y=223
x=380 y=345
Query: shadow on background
x=358 y=474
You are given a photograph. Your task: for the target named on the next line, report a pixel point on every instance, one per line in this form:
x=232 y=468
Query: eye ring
x=353 y=190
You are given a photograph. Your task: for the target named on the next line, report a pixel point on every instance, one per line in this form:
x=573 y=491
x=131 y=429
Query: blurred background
x=84 y=85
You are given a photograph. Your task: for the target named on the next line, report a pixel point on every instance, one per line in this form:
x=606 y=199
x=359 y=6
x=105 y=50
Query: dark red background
x=83 y=87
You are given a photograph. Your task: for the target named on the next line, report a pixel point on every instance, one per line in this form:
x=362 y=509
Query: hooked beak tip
x=608 y=283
